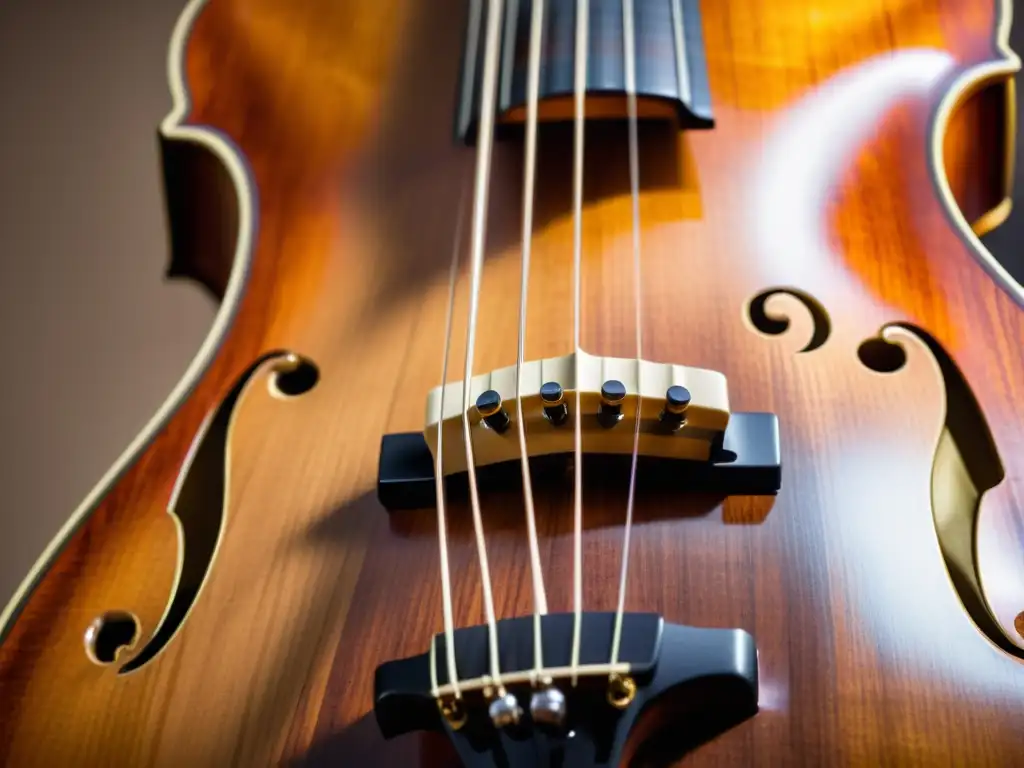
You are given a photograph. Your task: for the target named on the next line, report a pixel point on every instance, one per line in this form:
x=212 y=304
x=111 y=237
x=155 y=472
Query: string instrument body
x=814 y=246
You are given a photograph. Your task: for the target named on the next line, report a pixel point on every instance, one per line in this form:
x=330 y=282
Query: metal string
x=442 y=526
x=540 y=601
x=579 y=93
x=634 y=182
x=485 y=143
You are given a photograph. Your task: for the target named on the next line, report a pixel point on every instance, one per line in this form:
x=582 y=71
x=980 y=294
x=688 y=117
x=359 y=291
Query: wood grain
x=343 y=112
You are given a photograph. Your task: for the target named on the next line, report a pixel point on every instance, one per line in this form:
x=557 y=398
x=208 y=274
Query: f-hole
x=198 y=506
x=108 y=634
x=293 y=377
x=772 y=324
x=965 y=466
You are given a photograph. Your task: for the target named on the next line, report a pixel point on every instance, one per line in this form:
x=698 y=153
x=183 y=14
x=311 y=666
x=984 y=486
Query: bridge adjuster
x=745 y=461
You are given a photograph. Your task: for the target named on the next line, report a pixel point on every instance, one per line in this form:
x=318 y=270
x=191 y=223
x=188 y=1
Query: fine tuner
x=683 y=410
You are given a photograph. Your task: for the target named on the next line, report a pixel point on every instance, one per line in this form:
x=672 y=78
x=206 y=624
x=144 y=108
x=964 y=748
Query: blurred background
x=93 y=337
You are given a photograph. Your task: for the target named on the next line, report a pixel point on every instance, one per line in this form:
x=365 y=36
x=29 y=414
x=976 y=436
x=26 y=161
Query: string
x=634 y=183
x=579 y=93
x=540 y=601
x=679 y=38
x=442 y=526
x=485 y=143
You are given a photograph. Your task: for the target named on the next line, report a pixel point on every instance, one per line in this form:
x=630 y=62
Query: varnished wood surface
x=343 y=111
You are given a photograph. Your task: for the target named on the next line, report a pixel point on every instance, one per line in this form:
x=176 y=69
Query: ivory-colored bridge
x=687 y=431
x=682 y=410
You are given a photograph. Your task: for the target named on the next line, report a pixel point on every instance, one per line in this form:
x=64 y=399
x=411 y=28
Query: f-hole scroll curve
x=966 y=465
x=198 y=504
x=776 y=325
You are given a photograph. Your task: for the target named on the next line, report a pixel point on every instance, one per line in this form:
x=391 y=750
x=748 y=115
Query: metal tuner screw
x=547 y=707
x=504 y=710
x=677 y=400
x=488 y=404
x=454 y=711
x=613 y=393
x=556 y=410
x=621 y=691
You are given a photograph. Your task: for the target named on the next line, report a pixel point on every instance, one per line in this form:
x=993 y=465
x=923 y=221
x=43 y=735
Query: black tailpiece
x=706 y=678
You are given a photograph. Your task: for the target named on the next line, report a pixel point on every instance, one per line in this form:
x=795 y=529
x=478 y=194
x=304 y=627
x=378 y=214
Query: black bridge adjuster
x=746 y=461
